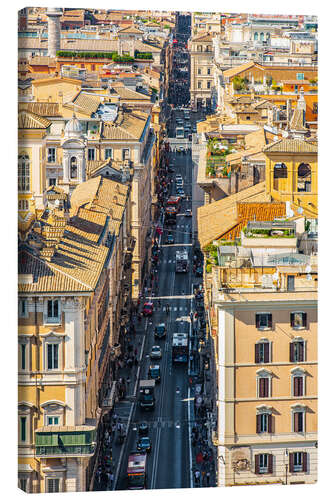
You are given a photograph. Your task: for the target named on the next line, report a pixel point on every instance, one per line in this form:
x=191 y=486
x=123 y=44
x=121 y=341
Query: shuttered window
x=298 y=320
x=263 y=387
x=298 y=462
x=264 y=463
x=297 y=351
x=264 y=423
x=298 y=421
x=298 y=386
x=262 y=352
x=264 y=320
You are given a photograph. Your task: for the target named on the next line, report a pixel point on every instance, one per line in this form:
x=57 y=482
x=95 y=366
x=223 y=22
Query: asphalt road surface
x=169 y=462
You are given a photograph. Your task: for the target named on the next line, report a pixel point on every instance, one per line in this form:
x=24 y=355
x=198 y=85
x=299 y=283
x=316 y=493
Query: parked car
x=148 y=309
x=144 y=444
x=154 y=373
x=160 y=331
x=156 y=352
x=188 y=212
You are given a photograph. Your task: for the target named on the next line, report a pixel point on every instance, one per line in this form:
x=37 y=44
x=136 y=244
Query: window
x=125 y=154
x=208 y=85
x=23 y=484
x=255 y=37
x=280 y=171
x=52 y=351
x=23 y=308
x=52 y=421
x=264 y=321
x=298 y=320
x=52 y=181
x=264 y=383
x=262 y=37
x=23 y=205
x=299 y=76
x=298 y=421
x=304 y=178
x=199 y=48
x=298 y=386
x=23 y=173
x=297 y=349
x=262 y=354
x=23 y=429
x=107 y=153
x=298 y=461
x=264 y=463
x=53 y=485
x=91 y=154
x=199 y=85
x=73 y=167
x=315 y=108
x=23 y=356
x=290 y=283
x=53 y=313
x=199 y=71
x=51 y=155
x=264 y=422
x=208 y=71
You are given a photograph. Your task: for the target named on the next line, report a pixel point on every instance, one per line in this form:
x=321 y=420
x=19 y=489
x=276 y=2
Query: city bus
x=180 y=348
x=179 y=132
x=137 y=471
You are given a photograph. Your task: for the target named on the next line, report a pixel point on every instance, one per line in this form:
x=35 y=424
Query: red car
x=148 y=308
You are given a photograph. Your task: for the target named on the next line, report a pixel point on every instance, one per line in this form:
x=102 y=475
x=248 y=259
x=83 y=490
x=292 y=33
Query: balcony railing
x=44 y=451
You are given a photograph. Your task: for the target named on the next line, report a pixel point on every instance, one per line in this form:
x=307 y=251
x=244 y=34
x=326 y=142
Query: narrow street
x=180 y=454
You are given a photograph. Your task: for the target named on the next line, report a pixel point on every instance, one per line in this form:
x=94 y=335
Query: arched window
x=73 y=167
x=23 y=173
x=304 y=178
x=280 y=171
x=262 y=37
x=255 y=37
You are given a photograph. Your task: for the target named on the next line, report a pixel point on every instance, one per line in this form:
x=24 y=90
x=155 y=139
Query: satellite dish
x=308 y=269
x=57 y=203
x=309 y=277
x=300 y=210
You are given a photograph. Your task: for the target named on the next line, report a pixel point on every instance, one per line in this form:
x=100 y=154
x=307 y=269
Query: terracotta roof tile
x=291 y=146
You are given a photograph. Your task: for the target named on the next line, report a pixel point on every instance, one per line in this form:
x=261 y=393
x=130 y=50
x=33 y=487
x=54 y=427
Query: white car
x=188 y=212
x=156 y=352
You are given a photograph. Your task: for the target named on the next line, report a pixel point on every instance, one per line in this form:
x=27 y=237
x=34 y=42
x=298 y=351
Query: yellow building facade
x=292 y=174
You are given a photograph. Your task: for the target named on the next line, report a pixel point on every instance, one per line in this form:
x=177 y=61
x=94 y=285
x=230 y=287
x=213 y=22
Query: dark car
x=144 y=444
x=143 y=429
x=170 y=239
x=154 y=373
x=199 y=271
x=160 y=331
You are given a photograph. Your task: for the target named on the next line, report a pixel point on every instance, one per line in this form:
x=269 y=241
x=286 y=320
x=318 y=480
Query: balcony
x=55 y=441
